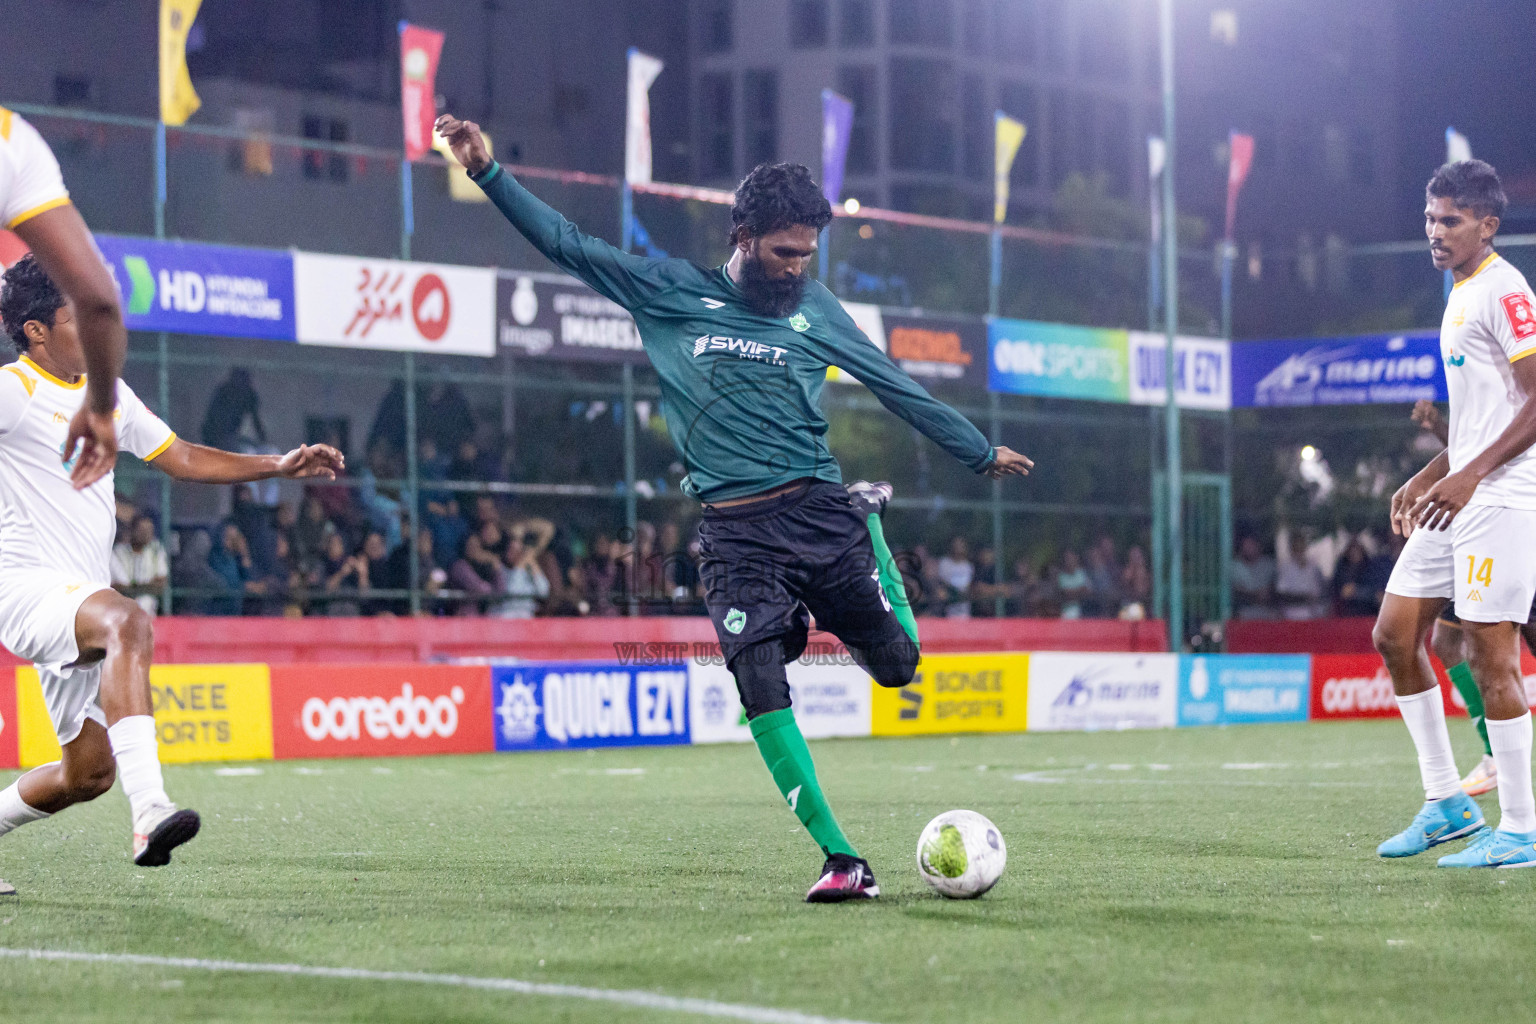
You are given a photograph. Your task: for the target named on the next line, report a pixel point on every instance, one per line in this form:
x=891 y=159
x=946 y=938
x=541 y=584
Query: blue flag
x=836 y=129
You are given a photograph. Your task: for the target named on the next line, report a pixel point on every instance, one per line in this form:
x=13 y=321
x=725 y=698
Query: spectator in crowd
x=469 y=463
x=1135 y=585
x=311 y=535
x=523 y=580
x=1103 y=580
x=1028 y=595
x=1299 y=582
x=679 y=571
x=373 y=572
x=1253 y=581
x=640 y=572
x=445 y=417
x=928 y=594
x=231 y=561
x=192 y=573
x=139 y=566
x=383 y=508
x=1354 y=585
x=1073 y=585
x=345 y=575
x=395 y=574
x=448 y=529
x=985 y=585
x=956 y=573
x=478 y=571
x=389 y=420
x=336 y=499
x=233 y=419
x=599 y=576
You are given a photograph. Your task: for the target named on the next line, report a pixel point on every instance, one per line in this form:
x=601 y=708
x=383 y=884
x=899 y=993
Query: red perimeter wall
x=1315 y=636
x=278 y=641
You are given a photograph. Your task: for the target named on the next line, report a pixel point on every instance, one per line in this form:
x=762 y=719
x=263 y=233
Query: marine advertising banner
x=188 y=288
x=829 y=700
x=1057 y=360
x=574 y=705
x=1361 y=370
x=551 y=316
x=394 y=305
x=956 y=693
x=1234 y=689
x=1083 y=692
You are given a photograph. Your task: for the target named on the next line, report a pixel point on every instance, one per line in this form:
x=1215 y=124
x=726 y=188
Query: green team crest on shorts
x=735 y=620
x=800 y=323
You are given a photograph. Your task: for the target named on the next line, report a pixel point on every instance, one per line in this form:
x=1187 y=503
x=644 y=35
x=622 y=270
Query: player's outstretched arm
x=198 y=463
x=627 y=279
x=63 y=245
x=1427 y=415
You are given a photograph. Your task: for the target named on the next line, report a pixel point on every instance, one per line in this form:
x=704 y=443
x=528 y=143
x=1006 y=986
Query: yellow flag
x=178 y=100
x=1010 y=136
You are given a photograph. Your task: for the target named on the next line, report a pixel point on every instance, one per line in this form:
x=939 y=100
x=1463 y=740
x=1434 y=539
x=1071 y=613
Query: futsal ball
x=961 y=854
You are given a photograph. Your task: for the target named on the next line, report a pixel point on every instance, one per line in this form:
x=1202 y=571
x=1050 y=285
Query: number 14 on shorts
x=1479 y=571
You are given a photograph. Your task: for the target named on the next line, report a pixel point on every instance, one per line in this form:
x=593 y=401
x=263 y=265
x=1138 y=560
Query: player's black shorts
x=759 y=562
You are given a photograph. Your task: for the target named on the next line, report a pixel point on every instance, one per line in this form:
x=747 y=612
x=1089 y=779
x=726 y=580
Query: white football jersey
x=1489 y=324
x=30 y=182
x=44 y=522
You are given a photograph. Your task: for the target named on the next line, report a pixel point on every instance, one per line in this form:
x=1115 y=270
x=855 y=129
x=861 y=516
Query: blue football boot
x=1496 y=849
x=1438 y=821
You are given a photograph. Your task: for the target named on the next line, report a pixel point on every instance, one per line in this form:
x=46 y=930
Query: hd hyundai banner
x=395 y=305
x=829 y=700
x=1360 y=370
x=589 y=704
x=190 y=288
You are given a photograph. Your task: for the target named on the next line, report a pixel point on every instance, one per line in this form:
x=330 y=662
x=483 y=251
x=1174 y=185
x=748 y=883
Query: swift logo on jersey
x=743 y=348
x=1522 y=319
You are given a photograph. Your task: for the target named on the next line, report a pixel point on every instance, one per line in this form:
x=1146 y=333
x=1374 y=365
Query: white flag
x=1457 y=147
x=643 y=69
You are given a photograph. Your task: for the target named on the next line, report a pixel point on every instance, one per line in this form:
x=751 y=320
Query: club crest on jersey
x=800 y=323
x=1522 y=318
x=735 y=621
x=742 y=347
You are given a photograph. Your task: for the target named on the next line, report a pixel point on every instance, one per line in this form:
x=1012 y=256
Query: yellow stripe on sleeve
x=1521 y=355
x=52 y=204
x=5 y=124
x=26 y=382
x=152 y=456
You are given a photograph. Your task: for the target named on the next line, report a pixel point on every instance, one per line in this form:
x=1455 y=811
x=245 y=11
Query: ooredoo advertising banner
x=829 y=700
x=1236 y=689
x=589 y=704
x=1351 y=686
x=956 y=693
x=391 y=304
x=9 y=727
x=380 y=710
x=202 y=713
x=1083 y=692
x=556 y=317
x=190 y=288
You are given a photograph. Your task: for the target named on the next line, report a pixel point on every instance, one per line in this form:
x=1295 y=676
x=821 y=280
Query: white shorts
x=1486 y=561
x=37 y=622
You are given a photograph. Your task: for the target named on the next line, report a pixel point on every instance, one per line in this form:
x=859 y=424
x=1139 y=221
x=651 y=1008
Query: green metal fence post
x=631 y=519
x=412 y=482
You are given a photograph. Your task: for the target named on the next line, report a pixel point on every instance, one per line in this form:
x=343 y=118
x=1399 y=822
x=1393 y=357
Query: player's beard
x=767 y=296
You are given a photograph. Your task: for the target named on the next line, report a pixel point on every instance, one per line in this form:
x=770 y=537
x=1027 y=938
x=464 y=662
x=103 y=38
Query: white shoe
x=159 y=830
x=1482 y=779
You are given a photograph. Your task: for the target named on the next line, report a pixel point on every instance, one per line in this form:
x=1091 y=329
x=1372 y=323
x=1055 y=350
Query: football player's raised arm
x=627 y=279
x=183 y=460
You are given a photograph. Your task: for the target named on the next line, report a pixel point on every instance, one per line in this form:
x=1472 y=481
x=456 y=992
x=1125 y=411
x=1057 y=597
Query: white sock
x=16 y=812
x=134 y=744
x=1424 y=714
x=1511 y=743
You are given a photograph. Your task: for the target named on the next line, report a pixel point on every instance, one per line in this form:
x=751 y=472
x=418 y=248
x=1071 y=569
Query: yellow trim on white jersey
x=26 y=215
x=26 y=382
x=1521 y=355
x=5 y=123
x=50 y=377
x=152 y=456
x=1480 y=267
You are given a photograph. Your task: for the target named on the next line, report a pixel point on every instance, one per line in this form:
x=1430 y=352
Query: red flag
x=1237 y=173
x=419 y=50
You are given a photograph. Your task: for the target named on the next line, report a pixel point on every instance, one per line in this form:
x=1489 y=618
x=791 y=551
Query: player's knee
x=761 y=679
x=895 y=665
x=1394 y=646
x=1446 y=643
x=90 y=781
x=130 y=628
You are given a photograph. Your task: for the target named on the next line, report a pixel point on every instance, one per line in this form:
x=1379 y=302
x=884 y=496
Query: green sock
x=890 y=578
x=789 y=760
x=1461 y=676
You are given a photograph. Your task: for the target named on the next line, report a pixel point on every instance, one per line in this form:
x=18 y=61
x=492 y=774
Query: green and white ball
x=961 y=854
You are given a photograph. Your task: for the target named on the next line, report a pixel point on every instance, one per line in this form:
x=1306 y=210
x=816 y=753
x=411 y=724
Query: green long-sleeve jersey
x=740 y=391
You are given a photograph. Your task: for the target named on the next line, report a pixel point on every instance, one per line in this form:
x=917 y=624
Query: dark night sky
x=1471 y=64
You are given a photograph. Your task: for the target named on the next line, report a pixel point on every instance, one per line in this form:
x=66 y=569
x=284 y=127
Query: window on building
x=760 y=115
x=1021 y=102
x=717 y=26
x=1362 y=157
x=856 y=22
x=978 y=132
x=809 y=23
x=717 y=126
x=922 y=107
x=857 y=82
x=319 y=163
x=922 y=22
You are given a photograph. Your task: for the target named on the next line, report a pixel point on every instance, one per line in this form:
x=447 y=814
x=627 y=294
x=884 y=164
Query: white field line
x=622 y=997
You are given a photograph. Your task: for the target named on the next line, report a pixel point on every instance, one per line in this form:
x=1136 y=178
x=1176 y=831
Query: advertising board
x=1079 y=692
x=380 y=710
x=572 y=705
x=956 y=693
x=829 y=700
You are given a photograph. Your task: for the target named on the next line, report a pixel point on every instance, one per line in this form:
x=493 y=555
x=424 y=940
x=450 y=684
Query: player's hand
x=312 y=460
x=1437 y=506
x=98 y=453
x=1007 y=462
x=1402 y=501
x=1427 y=415
x=465 y=140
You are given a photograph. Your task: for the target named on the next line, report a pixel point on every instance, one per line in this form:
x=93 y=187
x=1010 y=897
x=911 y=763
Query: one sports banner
x=836 y=131
x=551 y=316
x=583 y=704
x=178 y=100
x=1359 y=370
x=394 y=305
x=643 y=69
x=420 y=49
x=189 y=288
x=1008 y=137
x=1057 y=360
x=1240 y=161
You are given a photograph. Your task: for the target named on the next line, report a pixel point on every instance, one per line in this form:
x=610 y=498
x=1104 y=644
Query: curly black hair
x=776 y=196
x=27 y=293
x=1470 y=185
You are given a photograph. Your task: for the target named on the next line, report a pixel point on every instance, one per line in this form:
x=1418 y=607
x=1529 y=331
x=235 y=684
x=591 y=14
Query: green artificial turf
x=1207 y=875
